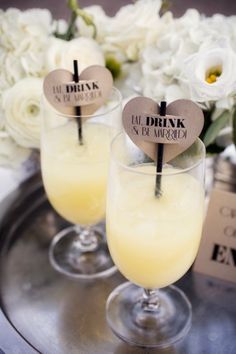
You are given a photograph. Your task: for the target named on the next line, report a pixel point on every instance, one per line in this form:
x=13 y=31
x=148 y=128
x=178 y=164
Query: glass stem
x=150 y=300
x=147 y=310
x=87 y=240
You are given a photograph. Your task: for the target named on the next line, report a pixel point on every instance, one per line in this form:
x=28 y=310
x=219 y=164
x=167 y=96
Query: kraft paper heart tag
x=90 y=92
x=178 y=129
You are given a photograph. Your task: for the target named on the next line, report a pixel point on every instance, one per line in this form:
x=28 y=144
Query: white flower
x=174 y=92
x=100 y=19
x=22 y=111
x=60 y=26
x=162 y=60
x=24 y=38
x=186 y=50
x=211 y=74
x=11 y=69
x=131 y=24
x=210 y=29
x=11 y=154
x=128 y=81
x=61 y=54
x=129 y=30
x=19 y=28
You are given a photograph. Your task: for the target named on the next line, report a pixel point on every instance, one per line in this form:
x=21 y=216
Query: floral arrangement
x=148 y=51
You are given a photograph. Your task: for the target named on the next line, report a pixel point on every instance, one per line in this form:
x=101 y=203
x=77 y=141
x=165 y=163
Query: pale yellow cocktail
x=75 y=152
x=75 y=175
x=153 y=241
x=154 y=223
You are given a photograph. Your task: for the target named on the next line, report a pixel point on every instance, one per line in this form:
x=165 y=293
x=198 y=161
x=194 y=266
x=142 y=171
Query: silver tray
x=43 y=311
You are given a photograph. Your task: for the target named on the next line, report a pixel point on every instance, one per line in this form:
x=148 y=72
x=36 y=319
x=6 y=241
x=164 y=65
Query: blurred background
x=178 y=7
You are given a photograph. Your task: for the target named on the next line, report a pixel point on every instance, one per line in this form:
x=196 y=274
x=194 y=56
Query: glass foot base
x=70 y=255
x=160 y=328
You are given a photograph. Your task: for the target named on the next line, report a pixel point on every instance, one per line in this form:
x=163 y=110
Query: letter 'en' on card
x=217 y=252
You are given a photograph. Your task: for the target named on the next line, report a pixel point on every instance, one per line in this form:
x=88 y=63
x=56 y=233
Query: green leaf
x=216 y=126
x=165 y=6
x=114 y=66
x=76 y=11
x=88 y=19
x=72 y=4
x=234 y=126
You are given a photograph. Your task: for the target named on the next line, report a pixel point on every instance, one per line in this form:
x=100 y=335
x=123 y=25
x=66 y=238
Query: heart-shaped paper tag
x=92 y=90
x=178 y=130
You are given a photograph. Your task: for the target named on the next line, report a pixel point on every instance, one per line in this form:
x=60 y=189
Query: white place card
x=217 y=252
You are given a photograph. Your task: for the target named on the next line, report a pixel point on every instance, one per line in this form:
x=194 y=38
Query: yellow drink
x=154 y=241
x=75 y=176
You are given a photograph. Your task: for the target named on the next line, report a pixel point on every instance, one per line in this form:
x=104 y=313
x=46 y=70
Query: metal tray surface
x=51 y=314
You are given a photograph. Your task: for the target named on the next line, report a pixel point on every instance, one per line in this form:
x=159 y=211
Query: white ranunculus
x=21 y=104
x=198 y=66
x=11 y=154
x=61 y=54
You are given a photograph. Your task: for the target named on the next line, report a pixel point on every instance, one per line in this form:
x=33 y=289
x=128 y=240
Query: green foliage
x=88 y=19
x=76 y=11
x=114 y=66
x=215 y=127
x=165 y=6
x=72 y=4
x=234 y=126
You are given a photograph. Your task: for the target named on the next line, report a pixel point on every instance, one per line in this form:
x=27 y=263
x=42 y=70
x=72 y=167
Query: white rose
x=61 y=54
x=22 y=111
x=210 y=75
x=11 y=154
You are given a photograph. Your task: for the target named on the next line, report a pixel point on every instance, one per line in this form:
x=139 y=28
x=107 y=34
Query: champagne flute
x=75 y=178
x=153 y=241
